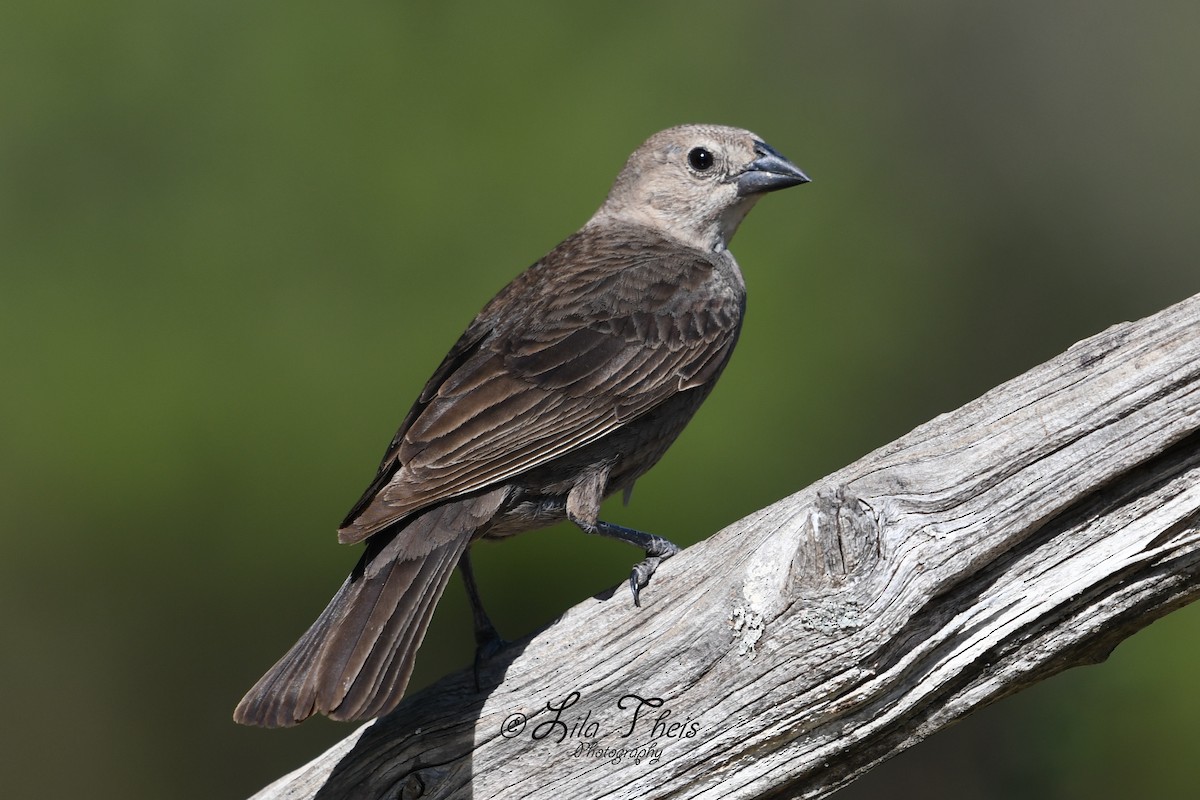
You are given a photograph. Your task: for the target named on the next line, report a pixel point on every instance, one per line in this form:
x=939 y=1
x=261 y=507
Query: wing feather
x=593 y=336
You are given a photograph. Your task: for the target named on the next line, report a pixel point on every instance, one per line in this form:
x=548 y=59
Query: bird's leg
x=583 y=509
x=487 y=638
x=657 y=550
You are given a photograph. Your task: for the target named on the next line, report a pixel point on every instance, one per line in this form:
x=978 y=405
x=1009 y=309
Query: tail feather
x=385 y=673
x=355 y=661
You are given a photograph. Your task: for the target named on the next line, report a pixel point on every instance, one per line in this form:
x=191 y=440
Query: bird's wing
x=593 y=336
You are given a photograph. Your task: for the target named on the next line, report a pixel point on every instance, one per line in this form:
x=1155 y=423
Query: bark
x=1027 y=532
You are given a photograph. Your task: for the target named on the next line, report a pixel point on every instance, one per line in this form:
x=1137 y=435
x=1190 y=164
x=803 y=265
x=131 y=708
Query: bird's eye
x=700 y=158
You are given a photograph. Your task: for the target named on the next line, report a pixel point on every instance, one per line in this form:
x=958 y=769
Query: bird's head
x=697 y=182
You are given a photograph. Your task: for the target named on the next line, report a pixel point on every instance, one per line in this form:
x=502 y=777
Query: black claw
x=642 y=572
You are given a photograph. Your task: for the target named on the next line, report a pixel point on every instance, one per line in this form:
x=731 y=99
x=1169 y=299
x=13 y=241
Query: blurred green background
x=237 y=237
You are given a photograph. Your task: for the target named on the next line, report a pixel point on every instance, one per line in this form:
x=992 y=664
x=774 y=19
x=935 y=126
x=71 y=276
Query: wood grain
x=1029 y=531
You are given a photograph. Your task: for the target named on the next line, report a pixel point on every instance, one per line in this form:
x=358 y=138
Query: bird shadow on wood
x=424 y=747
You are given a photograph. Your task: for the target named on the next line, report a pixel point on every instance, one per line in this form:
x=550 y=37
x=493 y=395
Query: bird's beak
x=768 y=172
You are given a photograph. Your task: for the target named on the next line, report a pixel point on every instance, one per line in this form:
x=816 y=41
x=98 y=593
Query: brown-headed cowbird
x=569 y=385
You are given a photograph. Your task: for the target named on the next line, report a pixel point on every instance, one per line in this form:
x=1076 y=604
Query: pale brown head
x=696 y=183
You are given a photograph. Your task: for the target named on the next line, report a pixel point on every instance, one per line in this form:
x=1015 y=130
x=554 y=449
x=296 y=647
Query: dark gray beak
x=769 y=172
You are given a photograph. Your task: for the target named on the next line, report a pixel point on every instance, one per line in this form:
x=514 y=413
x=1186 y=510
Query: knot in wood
x=839 y=539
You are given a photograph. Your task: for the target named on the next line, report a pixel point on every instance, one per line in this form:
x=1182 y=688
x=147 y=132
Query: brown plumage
x=569 y=385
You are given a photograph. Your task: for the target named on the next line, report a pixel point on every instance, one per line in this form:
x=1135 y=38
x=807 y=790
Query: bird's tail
x=356 y=659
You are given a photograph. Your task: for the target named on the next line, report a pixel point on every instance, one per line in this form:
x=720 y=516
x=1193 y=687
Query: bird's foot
x=486 y=648
x=657 y=550
x=639 y=578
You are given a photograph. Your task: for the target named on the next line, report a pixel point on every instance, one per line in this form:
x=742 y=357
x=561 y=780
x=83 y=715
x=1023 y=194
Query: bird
x=566 y=388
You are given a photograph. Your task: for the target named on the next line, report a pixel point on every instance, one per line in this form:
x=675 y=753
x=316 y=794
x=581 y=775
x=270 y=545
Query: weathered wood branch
x=1027 y=532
